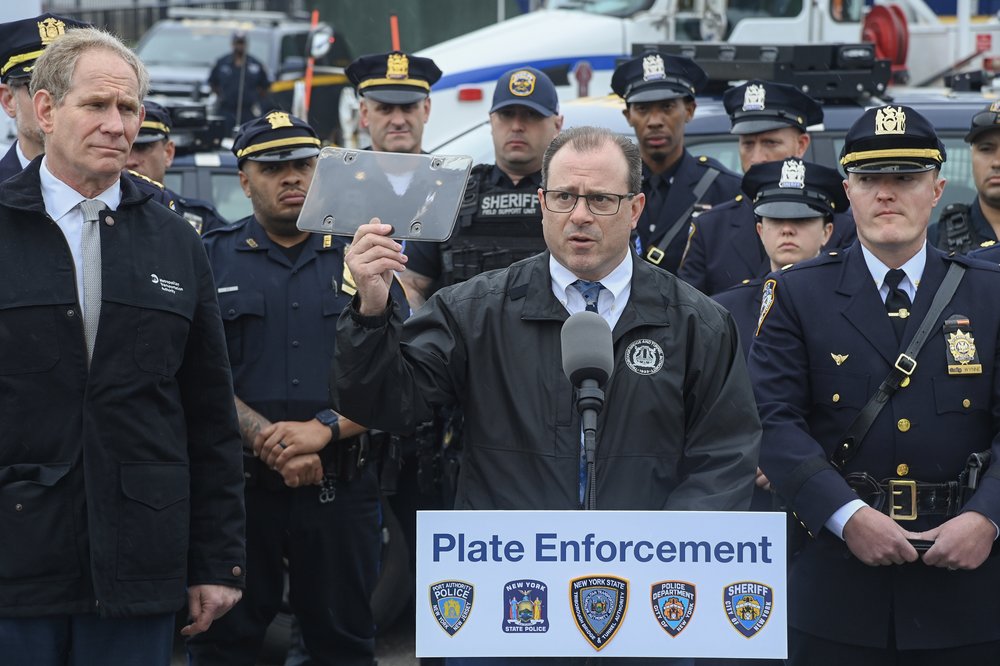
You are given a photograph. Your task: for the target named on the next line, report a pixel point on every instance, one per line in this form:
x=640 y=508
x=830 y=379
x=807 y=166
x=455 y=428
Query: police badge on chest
x=960 y=347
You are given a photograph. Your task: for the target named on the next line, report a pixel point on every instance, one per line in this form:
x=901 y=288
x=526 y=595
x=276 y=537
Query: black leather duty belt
x=906 y=499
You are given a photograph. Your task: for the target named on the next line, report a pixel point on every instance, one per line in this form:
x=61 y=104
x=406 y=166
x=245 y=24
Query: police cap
x=394 y=77
x=761 y=106
x=657 y=76
x=276 y=137
x=987 y=120
x=23 y=41
x=156 y=125
x=794 y=189
x=526 y=86
x=891 y=139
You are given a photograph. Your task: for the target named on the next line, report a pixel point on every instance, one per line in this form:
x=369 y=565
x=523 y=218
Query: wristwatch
x=331 y=420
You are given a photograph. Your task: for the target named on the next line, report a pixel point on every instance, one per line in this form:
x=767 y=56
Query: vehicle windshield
x=620 y=8
x=193 y=45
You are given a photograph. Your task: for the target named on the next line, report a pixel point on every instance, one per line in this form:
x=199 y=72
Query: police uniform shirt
x=724 y=248
x=979 y=228
x=499 y=200
x=280 y=317
x=679 y=198
x=743 y=302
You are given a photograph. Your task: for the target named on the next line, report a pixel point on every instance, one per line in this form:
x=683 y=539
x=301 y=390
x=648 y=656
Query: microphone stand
x=589 y=401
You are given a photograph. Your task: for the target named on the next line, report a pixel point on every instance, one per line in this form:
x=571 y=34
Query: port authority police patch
x=451 y=602
x=748 y=606
x=673 y=604
x=599 y=604
x=526 y=607
x=644 y=357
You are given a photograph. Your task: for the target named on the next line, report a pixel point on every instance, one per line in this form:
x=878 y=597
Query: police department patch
x=526 y=606
x=673 y=604
x=599 y=604
x=451 y=602
x=748 y=606
x=522 y=83
x=766 y=301
x=644 y=357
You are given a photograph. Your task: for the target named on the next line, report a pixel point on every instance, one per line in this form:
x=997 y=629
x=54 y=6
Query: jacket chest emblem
x=644 y=357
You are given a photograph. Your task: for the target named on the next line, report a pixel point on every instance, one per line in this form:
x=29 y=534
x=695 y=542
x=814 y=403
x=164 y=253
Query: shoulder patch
x=766 y=301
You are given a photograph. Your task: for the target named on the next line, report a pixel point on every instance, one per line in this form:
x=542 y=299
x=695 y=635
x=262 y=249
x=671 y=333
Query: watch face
x=327 y=417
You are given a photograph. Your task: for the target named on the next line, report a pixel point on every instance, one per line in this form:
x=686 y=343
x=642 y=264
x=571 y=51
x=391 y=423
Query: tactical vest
x=955 y=232
x=497 y=225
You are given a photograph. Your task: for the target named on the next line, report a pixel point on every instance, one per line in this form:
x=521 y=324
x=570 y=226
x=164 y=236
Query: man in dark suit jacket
x=902 y=556
x=770 y=120
x=659 y=91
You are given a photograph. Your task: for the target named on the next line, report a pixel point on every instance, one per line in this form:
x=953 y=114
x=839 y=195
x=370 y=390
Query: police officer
x=770 y=120
x=962 y=227
x=659 y=91
x=311 y=497
x=794 y=202
x=153 y=153
x=500 y=220
x=22 y=42
x=240 y=83
x=394 y=104
x=871 y=428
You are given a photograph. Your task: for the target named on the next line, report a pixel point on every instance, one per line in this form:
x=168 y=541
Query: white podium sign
x=600 y=583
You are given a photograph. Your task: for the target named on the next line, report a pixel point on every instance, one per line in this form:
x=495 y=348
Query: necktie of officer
x=659 y=187
x=590 y=291
x=897 y=303
x=91 y=247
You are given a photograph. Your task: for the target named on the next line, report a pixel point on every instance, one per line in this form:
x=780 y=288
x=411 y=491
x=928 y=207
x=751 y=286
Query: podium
x=601 y=583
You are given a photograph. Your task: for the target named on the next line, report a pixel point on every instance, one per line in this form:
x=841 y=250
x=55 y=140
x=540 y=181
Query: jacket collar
x=23 y=191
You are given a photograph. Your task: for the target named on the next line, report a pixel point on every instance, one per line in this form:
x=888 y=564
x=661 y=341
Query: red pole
x=309 y=67
x=394 y=31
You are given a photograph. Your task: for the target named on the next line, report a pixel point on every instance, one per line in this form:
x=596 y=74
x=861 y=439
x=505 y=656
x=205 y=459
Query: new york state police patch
x=599 y=604
x=526 y=605
x=748 y=606
x=673 y=604
x=451 y=603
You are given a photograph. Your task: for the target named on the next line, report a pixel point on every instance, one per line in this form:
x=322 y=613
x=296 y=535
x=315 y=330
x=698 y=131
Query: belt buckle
x=905 y=364
x=898 y=487
x=654 y=255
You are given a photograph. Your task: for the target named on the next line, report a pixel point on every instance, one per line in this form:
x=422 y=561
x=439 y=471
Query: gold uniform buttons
x=903 y=425
x=902 y=469
x=966 y=403
x=836 y=397
x=905 y=382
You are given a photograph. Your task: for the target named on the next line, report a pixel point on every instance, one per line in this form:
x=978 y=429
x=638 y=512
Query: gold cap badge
x=890 y=120
x=50 y=29
x=279 y=119
x=397 y=66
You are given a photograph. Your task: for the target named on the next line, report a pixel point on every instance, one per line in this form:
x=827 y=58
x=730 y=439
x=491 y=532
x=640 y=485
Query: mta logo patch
x=673 y=604
x=526 y=605
x=451 y=602
x=748 y=606
x=599 y=604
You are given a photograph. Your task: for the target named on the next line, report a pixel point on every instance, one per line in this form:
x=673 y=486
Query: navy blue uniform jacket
x=724 y=248
x=680 y=197
x=807 y=400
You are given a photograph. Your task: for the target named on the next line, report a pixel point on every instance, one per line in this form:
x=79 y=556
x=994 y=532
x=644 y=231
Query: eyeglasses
x=599 y=203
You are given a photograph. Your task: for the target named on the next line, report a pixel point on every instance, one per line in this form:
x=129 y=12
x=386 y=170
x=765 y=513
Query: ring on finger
x=283 y=445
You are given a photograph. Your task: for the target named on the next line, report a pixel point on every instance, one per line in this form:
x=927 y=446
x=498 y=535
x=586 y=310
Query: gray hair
x=55 y=67
x=589 y=139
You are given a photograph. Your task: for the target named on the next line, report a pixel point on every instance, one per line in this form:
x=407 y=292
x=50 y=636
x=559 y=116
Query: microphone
x=588 y=359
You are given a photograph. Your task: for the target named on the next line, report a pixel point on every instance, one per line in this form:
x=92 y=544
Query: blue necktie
x=590 y=292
